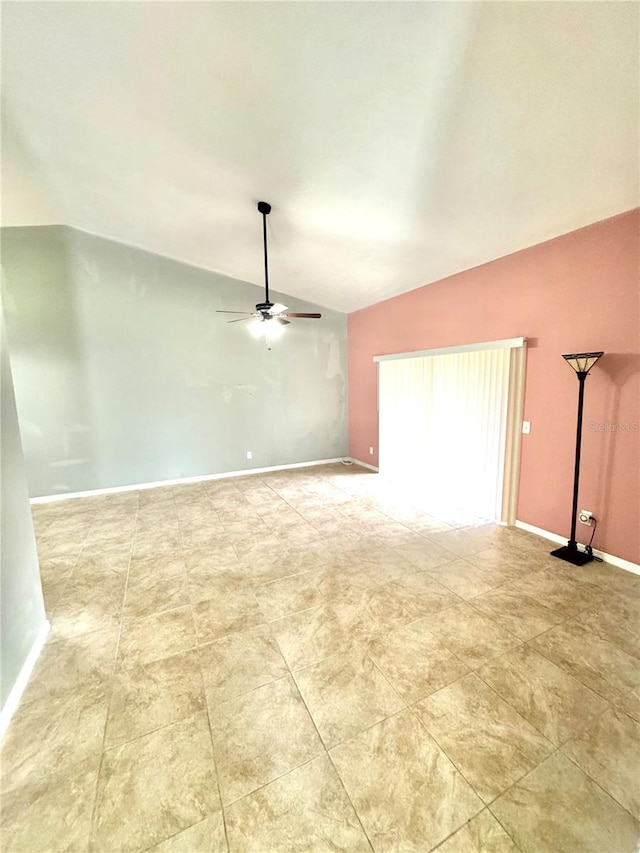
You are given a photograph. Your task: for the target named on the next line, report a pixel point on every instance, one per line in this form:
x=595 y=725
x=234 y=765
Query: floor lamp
x=582 y=362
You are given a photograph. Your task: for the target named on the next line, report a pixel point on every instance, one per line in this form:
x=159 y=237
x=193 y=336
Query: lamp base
x=570 y=554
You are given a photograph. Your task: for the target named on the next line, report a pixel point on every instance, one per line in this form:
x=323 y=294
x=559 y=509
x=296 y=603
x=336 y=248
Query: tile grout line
x=447 y=756
x=545 y=655
x=508 y=788
x=204 y=692
x=569 y=675
x=157 y=728
x=192 y=648
x=325 y=748
x=556 y=748
x=156 y=844
x=290 y=675
x=460 y=828
x=275 y=778
x=595 y=781
x=73 y=570
x=499 y=822
x=524 y=775
x=112 y=685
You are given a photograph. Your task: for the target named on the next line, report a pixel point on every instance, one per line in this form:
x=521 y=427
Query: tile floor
x=303 y=662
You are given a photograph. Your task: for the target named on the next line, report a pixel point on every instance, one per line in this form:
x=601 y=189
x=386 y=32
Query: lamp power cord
x=588 y=549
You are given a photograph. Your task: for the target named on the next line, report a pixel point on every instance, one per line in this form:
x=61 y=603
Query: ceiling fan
x=270 y=317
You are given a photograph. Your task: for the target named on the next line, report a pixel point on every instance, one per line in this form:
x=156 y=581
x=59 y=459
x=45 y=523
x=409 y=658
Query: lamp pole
x=576 y=470
x=582 y=363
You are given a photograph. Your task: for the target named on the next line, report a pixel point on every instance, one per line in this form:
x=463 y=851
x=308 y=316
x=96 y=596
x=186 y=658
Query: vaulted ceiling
x=398 y=142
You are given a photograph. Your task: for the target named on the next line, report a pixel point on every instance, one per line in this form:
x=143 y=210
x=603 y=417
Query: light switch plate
x=526 y=427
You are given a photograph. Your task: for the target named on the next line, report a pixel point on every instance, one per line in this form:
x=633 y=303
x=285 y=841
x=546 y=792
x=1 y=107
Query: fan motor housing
x=264 y=306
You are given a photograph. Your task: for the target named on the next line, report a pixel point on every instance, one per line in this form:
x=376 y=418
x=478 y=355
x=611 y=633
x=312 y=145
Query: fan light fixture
x=266 y=328
x=582 y=362
x=270 y=317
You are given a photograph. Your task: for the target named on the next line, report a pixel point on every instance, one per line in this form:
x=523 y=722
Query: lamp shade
x=582 y=362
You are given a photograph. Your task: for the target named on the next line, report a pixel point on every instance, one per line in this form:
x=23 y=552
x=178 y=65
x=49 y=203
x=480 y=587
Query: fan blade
x=282 y=321
x=221 y=311
x=278 y=308
x=240 y=319
x=308 y=316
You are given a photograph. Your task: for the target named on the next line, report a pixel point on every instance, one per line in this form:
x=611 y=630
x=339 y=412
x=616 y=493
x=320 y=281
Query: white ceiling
x=398 y=142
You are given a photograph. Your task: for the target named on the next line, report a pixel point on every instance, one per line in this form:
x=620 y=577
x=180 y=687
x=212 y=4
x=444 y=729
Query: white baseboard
x=182 y=481
x=363 y=464
x=13 y=699
x=627 y=565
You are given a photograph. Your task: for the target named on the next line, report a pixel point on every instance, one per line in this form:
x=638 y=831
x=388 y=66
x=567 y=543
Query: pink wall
x=578 y=292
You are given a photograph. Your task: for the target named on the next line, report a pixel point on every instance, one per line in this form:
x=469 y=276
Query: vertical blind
x=443 y=425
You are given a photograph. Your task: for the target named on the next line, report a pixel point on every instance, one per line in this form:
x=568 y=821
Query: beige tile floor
x=303 y=662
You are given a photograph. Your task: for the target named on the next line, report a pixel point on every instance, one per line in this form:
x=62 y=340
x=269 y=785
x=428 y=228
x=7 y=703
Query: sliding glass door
x=445 y=420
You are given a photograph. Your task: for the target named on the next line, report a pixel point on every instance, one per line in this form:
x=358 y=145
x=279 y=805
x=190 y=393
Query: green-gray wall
x=22 y=609
x=125 y=374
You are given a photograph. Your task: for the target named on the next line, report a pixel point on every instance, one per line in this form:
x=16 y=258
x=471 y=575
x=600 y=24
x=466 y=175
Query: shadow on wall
x=620 y=368
x=53 y=404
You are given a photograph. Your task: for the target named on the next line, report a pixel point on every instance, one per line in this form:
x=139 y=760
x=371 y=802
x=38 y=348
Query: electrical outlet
x=371 y=451
x=585 y=516
x=249 y=454
x=526 y=427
